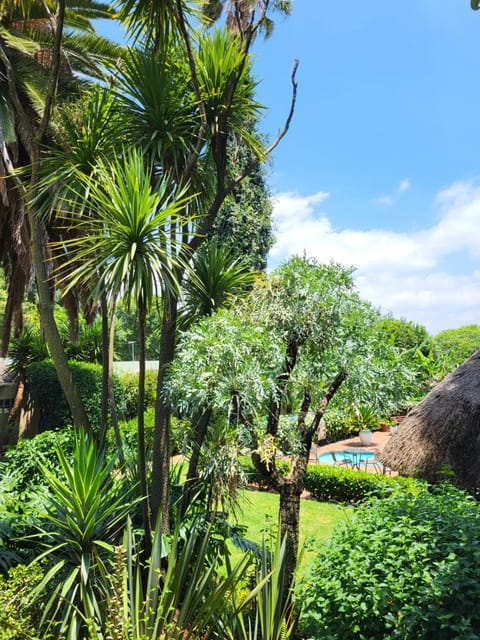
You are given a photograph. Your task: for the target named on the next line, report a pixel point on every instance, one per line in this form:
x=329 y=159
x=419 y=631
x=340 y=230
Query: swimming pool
x=343 y=457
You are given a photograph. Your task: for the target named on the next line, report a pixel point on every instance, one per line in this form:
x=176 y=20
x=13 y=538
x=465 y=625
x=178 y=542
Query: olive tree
x=300 y=336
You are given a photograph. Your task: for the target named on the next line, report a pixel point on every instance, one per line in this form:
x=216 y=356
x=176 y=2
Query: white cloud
x=386 y=200
x=403 y=273
x=390 y=199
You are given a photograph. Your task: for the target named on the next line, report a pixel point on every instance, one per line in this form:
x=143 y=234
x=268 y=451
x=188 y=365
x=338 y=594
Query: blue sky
x=380 y=169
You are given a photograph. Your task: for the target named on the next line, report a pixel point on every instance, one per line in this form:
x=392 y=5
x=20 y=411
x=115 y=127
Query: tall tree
x=124 y=251
x=188 y=95
x=33 y=75
x=303 y=333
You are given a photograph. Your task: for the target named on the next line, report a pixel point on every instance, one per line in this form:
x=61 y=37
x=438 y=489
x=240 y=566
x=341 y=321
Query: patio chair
x=344 y=461
x=378 y=466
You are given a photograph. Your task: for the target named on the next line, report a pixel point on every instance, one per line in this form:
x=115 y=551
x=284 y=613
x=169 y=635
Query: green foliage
x=404 y=334
x=457 y=344
x=18 y=618
x=47 y=396
x=337 y=484
x=403 y=567
x=244 y=221
x=22 y=462
x=200 y=594
x=215 y=277
x=26 y=349
x=275 y=618
x=337 y=425
x=24 y=492
x=85 y=517
x=363 y=416
x=129 y=385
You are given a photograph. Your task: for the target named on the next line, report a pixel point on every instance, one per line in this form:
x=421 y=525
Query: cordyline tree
x=186 y=100
x=301 y=337
x=189 y=96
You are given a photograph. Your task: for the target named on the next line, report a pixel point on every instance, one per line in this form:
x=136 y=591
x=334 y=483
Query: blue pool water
x=327 y=458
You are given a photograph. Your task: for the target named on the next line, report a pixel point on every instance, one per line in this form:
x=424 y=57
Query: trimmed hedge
x=337 y=484
x=129 y=382
x=47 y=396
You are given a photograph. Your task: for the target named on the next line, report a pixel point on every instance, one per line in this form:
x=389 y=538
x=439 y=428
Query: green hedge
x=337 y=484
x=129 y=382
x=43 y=387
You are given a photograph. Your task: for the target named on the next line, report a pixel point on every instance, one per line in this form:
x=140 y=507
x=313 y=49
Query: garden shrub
x=22 y=460
x=338 y=484
x=18 y=618
x=24 y=492
x=48 y=398
x=402 y=567
x=129 y=383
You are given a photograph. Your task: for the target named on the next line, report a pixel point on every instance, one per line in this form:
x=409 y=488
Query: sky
x=380 y=169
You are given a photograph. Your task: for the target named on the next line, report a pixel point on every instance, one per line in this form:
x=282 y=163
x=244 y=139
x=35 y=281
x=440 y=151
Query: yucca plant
x=86 y=516
x=191 y=592
x=274 y=615
x=183 y=596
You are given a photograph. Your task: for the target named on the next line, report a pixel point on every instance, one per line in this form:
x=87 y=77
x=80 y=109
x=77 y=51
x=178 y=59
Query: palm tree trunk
x=105 y=372
x=111 y=390
x=142 y=463
x=161 y=442
x=49 y=326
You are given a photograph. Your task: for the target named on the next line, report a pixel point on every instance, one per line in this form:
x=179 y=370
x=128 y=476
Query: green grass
x=259 y=513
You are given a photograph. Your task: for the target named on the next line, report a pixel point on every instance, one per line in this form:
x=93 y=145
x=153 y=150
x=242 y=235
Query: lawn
x=259 y=513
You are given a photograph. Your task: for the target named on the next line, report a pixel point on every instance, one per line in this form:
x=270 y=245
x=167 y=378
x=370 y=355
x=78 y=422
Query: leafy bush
x=338 y=484
x=24 y=493
x=18 y=619
x=44 y=388
x=338 y=427
x=403 y=567
x=129 y=383
x=180 y=433
x=22 y=460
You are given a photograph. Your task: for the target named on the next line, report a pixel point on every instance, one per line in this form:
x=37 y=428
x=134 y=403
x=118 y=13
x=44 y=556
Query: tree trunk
x=49 y=326
x=142 y=463
x=111 y=391
x=290 y=493
x=105 y=372
x=161 y=441
x=192 y=473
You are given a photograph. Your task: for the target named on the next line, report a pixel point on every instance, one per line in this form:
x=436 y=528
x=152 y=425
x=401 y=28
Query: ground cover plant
x=402 y=567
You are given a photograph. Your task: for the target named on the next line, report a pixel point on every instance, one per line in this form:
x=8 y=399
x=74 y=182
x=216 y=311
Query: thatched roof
x=442 y=430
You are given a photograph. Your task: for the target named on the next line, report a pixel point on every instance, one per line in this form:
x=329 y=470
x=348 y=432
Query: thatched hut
x=442 y=431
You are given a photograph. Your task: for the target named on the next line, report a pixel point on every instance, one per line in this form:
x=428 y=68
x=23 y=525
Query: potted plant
x=365 y=419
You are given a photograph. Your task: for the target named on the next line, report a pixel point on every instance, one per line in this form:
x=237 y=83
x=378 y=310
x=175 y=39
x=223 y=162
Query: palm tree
x=189 y=94
x=124 y=251
x=246 y=17
x=27 y=36
x=214 y=277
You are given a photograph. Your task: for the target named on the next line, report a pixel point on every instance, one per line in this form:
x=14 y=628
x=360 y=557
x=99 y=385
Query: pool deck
x=379 y=440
